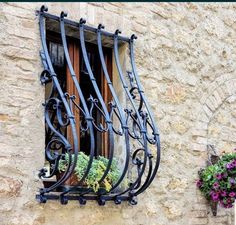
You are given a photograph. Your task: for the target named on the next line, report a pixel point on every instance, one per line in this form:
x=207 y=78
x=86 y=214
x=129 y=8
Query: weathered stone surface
x=185 y=55
x=172 y=209
x=9 y=186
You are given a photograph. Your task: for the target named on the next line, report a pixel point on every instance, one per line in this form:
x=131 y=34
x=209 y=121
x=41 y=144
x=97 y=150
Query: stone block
x=186 y=56
x=10 y=186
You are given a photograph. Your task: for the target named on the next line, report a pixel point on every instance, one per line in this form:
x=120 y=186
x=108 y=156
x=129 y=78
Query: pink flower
x=219 y=176
x=215 y=197
x=229 y=166
x=222 y=203
x=216 y=185
x=223 y=193
x=225 y=175
x=230 y=205
x=226 y=204
x=232 y=181
x=233 y=163
x=199 y=183
x=232 y=194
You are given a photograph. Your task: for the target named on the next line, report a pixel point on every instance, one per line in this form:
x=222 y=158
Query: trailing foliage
x=218 y=181
x=96 y=171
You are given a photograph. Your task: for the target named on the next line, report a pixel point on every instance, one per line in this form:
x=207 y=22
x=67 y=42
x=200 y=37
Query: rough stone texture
x=186 y=59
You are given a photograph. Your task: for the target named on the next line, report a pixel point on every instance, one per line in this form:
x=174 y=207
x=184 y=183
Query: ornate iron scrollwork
x=135 y=123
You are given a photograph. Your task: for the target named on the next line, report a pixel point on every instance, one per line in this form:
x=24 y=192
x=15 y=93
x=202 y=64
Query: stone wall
x=186 y=60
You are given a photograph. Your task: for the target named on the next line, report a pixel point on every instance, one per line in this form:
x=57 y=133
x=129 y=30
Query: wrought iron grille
x=130 y=121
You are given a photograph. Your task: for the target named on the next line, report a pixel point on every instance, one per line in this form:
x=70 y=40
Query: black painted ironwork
x=136 y=124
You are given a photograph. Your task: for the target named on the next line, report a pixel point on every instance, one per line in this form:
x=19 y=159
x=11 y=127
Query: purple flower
x=229 y=166
x=215 y=196
x=233 y=163
x=222 y=203
x=226 y=203
x=199 y=183
x=216 y=185
x=219 y=176
x=232 y=194
x=232 y=181
x=229 y=205
x=223 y=193
x=225 y=175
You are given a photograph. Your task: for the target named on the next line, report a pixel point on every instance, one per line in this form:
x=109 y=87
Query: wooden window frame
x=75 y=56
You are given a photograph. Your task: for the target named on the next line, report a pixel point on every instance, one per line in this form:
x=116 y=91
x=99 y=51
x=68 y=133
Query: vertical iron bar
x=155 y=130
x=71 y=167
x=73 y=76
x=120 y=110
x=93 y=81
x=125 y=87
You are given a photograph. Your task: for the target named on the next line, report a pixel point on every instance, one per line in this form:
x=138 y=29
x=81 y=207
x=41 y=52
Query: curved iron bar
x=59 y=116
x=112 y=113
x=52 y=156
x=85 y=110
x=147 y=123
x=71 y=165
x=136 y=161
x=45 y=78
x=121 y=116
x=134 y=96
x=155 y=130
x=135 y=123
x=94 y=104
x=82 y=128
x=139 y=119
x=100 y=99
x=53 y=159
x=50 y=125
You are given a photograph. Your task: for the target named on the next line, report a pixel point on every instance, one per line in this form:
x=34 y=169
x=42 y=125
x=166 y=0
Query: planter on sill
x=73 y=181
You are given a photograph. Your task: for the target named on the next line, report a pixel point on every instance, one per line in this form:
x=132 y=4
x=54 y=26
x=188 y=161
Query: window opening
x=56 y=53
x=65 y=76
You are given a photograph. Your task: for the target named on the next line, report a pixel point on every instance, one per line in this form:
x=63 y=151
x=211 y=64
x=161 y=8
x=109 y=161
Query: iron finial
x=133 y=36
x=82 y=21
x=63 y=14
x=117 y=32
x=43 y=8
x=100 y=26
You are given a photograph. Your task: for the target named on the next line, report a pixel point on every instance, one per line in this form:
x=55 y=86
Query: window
x=56 y=53
x=97 y=146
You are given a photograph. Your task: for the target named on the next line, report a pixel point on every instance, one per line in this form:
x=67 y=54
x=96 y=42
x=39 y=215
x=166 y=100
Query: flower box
x=96 y=172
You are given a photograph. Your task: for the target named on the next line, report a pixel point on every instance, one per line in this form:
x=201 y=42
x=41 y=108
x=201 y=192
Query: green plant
x=96 y=172
x=218 y=181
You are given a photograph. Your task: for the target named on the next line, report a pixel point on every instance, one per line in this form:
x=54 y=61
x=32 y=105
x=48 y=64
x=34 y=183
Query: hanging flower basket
x=218 y=181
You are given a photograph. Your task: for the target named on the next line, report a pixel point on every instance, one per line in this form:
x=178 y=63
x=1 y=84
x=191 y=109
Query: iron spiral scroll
x=134 y=122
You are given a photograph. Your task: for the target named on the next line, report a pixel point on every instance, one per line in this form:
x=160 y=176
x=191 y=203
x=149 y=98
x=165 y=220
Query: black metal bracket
x=213 y=158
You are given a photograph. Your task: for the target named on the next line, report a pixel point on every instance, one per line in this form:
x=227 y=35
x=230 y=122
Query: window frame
x=76 y=56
